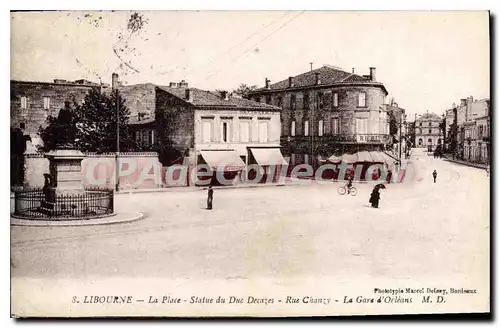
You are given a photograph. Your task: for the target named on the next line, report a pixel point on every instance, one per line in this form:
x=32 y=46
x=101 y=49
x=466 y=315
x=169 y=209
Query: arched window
x=430 y=141
x=420 y=142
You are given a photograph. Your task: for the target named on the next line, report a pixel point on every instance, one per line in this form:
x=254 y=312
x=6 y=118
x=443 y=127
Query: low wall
x=138 y=170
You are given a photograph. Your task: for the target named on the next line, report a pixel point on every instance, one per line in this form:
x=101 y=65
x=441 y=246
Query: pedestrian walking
x=375 y=195
x=210 y=197
x=434 y=175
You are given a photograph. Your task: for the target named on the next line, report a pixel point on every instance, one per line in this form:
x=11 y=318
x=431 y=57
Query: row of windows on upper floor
x=26 y=103
x=334 y=127
x=324 y=100
x=422 y=131
x=430 y=124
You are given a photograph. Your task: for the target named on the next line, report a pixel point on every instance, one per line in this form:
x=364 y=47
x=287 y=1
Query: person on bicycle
x=349 y=184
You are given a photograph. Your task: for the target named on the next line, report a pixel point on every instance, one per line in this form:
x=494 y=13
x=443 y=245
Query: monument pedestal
x=66 y=183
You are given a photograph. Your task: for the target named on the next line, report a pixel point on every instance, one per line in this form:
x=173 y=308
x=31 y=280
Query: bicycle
x=352 y=190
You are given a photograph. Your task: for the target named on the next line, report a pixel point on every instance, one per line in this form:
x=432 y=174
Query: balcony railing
x=356 y=138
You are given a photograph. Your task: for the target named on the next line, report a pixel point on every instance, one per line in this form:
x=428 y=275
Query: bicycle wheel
x=354 y=191
x=342 y=190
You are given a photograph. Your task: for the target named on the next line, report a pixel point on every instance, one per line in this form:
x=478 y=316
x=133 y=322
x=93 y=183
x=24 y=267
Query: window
x=293 y=102
x=306 y=100
x=362 y=99
x=306 y=128
x=207 y=131
x=268 y=100
x=263 y=131
x=320 y=128
x=224 y=131
x=361 y=125
x=280 y=101
x=24 y=102
x=430 y=123
x=245 y=130
x=320 y=100
x=430 y=131
x=22 y=125
x=293 y=129
x=420 y=123
x=335 y=126
x=46 y=103
x=335 y=100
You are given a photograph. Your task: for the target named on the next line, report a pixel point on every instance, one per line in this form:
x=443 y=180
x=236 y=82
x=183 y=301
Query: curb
x=114 y=219
x=477 y=166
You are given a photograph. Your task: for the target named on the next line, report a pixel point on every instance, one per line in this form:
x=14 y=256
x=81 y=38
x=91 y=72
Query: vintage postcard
x=250 y=163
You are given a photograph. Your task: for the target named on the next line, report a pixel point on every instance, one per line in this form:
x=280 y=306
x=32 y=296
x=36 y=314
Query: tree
x=17 y=148
x=393 y=126
x=91 y=126
x=244 y=89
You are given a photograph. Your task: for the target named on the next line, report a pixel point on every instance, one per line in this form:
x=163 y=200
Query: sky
x=427 y=60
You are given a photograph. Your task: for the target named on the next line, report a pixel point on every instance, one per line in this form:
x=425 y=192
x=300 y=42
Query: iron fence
x=37 y=204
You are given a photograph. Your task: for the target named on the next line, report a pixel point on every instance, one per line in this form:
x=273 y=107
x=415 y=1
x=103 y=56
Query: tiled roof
x=211 y=99
x=327 y=75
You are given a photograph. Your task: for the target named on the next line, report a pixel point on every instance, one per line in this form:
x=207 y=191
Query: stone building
x=428 y=133
x=471 y=140
x=328 y=111
x=217 y=128
x=32 y=102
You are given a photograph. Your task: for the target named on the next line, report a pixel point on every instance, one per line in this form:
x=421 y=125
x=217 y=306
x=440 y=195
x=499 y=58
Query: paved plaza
x=421 y=229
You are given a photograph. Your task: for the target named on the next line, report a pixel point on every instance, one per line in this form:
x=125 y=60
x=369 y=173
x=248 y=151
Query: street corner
x=118 y=218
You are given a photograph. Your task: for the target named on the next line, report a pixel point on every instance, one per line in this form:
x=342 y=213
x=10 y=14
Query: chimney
x=318 y=80
x=463 y=102
x=372 y=74
x=189 y=95
x=268 y=83
x=114 y=81
x=290 y=81
x=173 y=84
x=454 y=105
x=224 y=95
x=183 y=84
x=353 y=70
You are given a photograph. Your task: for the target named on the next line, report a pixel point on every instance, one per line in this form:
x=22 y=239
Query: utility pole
x=312 y=125
x=117 y=141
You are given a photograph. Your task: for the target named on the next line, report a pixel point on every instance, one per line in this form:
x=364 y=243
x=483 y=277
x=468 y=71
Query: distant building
x=428 y=133
x=328 y=111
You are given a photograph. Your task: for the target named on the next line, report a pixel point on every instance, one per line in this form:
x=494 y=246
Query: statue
x=48 y=188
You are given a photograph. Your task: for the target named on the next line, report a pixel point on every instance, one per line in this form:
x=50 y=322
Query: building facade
x=428 y=133
x=32 y=102
x=469 y=126
x=328 y=111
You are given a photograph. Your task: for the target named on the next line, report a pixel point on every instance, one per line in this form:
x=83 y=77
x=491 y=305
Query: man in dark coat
x=434 y=175
x=210 y=197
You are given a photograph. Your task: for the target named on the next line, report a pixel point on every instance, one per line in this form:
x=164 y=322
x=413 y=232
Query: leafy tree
x=244 y=89
x=91 y=126
x=393 y=126
x=17 y=148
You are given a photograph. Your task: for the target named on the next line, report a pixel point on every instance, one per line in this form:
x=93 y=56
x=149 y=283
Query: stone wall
x=35 y=115
x=138 y=170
